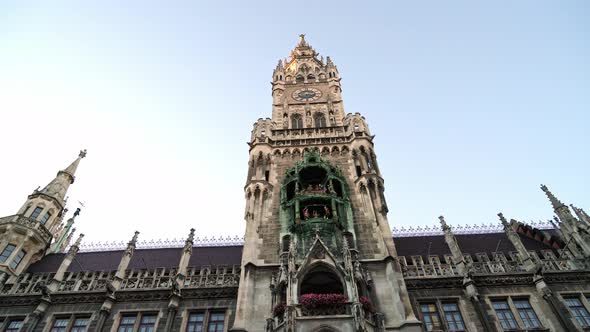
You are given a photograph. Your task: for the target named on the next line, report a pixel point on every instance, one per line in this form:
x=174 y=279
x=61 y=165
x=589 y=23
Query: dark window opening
x=266 y=175
x=313 y=176
x=286 y=242
x=321 y=281
x=358 y=170
x=291 y=190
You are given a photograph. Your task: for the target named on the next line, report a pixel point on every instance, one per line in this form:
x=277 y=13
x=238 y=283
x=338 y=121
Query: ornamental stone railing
x=483 y=264
x=29 y=223
x=153 y=279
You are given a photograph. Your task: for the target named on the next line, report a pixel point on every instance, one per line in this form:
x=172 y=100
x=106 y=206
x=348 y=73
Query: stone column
x=115 y=285
x=178 y=283
x=527 y=261
x=469 y=287
x=65 y=264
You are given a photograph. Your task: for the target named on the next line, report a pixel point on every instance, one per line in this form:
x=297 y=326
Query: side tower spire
x=26 y=236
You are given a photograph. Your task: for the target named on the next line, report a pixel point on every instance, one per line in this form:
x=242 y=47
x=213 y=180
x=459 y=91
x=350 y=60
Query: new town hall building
x=318 y=253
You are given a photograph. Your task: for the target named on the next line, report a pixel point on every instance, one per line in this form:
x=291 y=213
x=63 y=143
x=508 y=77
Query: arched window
x=321 y=280
x=310 y=77
x=300 y=79
x=296 y=121
x=319 y=120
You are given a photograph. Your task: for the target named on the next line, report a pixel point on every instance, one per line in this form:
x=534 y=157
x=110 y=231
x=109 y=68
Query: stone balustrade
x=96 y=281
x=30 y=223
x=483 y=264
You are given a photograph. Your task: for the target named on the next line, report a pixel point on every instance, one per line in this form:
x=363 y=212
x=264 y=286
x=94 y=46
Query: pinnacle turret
x=58 y=187
x=556 y=203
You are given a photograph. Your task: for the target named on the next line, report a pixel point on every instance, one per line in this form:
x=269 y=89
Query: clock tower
x=318 y=253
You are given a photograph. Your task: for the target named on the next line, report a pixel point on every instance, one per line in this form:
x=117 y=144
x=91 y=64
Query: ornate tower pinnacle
x=556 y=203
x=29 y=233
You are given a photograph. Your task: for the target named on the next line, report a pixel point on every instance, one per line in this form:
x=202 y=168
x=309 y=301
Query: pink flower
x=312 y=301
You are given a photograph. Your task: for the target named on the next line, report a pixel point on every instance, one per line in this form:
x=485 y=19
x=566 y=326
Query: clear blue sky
x=473 y=104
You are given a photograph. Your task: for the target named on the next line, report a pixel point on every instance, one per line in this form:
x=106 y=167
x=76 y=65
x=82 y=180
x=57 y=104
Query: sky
x=474 y=104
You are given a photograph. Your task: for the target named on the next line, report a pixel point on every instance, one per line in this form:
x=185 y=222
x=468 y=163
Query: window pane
x=17 y=259
x=578 y=311
x=127 y=323
x=79 y=325
x=216 y=320
x=527 y=314
x=147 y=323
x=14 y=325
x=60 y=324
x=6 y=252
x=504 y=314
x=453 y=317
x=36 y=213
x=195 y=322
x=430 y=316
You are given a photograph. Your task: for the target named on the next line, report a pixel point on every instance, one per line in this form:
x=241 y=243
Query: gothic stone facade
x=318 y=253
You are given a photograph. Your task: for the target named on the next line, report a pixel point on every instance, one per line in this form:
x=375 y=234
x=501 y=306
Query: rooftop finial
x=79 y=240
x=82 y=153
x=443 y=223
x=134 y=239
x=191 y=235
x=503 y=220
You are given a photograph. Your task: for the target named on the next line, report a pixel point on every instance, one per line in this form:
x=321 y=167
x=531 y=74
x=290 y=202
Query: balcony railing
x=29 y=223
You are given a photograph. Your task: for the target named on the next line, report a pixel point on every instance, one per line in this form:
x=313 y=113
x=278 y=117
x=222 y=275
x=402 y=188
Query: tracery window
x=319 y=120
x=296 y=121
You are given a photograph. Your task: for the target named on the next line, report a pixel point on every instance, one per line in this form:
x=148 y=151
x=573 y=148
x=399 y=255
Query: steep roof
x=418 y=245
x=142 y=259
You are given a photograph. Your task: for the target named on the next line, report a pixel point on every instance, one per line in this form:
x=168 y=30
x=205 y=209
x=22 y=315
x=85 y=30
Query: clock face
x=307 y=94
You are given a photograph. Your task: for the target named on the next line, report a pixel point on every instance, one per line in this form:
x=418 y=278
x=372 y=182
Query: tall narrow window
x=45 y=218
x=195 y=322
x=216 y=321
x=296 y=121
x=504 y=314
x=127 y=323
x=14 y=325
x=526 y=313
x=60 y=325
x=430 y=316
x=578 y=311
x=147 y=323
x=453 y=317
x=319 y=120
x=6 y=252
x=17 y=259
x=79 y=325
x=36 y=212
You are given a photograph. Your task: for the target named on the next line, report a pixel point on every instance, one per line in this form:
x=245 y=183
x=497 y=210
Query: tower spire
x=556 y=203
x=58 y=187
